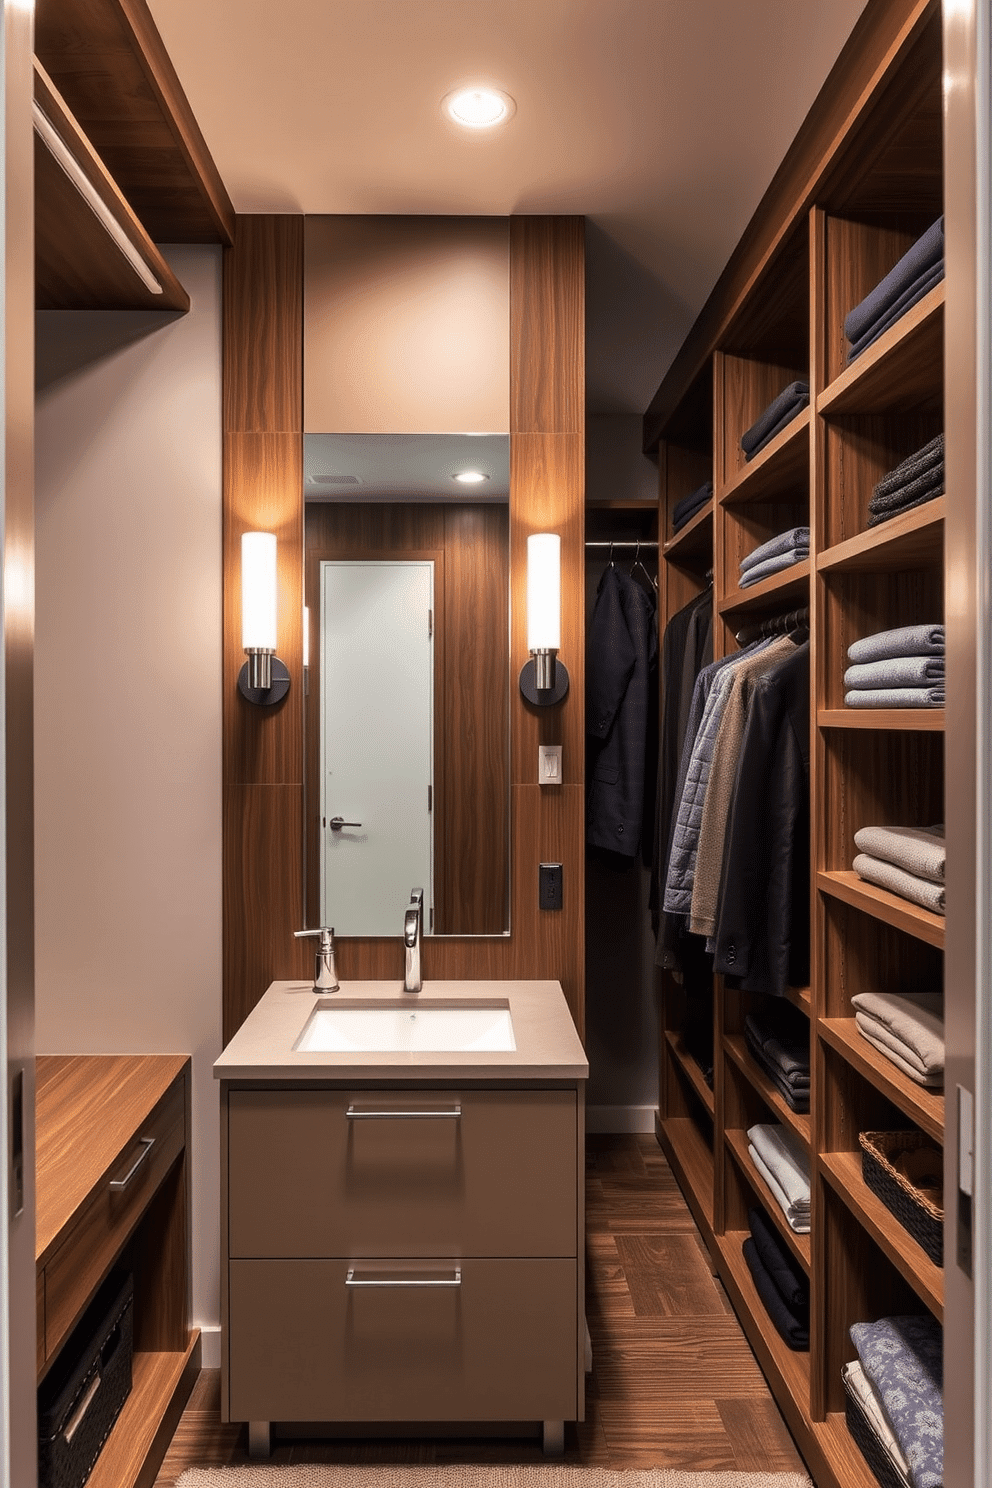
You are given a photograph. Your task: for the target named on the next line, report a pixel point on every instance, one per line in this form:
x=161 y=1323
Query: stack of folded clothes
x=918 y=478
x=778 y=553
x=691 y=504
x=778 y=1040
x=781 y=411
x=783 y=1162
x=779 y=1281
x=883 y=1451
x=916 y=273
x=908 y=1028
x=908 y=861
x=902 y=1366
x=901 y=668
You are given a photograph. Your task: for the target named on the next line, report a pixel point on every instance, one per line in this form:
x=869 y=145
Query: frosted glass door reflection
x=376 y=745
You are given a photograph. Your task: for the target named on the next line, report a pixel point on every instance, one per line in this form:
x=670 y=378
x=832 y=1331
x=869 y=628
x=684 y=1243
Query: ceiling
x=660 y=121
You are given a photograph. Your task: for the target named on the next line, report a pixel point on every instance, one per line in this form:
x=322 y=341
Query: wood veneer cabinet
x=861 y=183
x=103 y=1120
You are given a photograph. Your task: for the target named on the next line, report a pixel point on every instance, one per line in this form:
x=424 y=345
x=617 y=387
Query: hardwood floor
x=674 y=1383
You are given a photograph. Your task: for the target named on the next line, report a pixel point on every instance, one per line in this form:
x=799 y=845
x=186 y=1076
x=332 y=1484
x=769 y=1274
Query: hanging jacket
x=621 y=654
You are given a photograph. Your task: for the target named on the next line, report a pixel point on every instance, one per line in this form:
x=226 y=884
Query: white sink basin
x=400 y=1027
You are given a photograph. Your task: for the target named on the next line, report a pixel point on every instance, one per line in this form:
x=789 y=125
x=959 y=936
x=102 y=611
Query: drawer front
x=328 y=1173
x=501 y=1345
x=103 y=1228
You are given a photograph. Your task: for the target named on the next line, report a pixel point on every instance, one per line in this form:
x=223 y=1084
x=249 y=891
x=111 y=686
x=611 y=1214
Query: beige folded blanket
x=915 y=1020
x=907 y=885
x=932 y=1082
x=917 y=850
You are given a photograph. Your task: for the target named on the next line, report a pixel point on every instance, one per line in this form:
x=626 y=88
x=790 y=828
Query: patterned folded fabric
x=871 y=1408
x=910 y=296
x=895 y=697
x=903 y=1361
x=797 y=1215
x=896 y=671
x=920 y=850
x=924 y=254
x=908 y=640
x=772 y=566
x=781 y=411
x=689 y=505
x=898 y=881
x=794 y=1330
x=785 y=1272
x=796 y=537
x=915 y=1019
x=900 y=1053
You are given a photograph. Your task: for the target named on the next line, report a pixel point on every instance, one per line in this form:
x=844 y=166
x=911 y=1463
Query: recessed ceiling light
x=470 y=477
x=478 y=107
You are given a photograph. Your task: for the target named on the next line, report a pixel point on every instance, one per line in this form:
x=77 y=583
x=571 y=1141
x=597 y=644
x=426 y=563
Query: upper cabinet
x=120 y=163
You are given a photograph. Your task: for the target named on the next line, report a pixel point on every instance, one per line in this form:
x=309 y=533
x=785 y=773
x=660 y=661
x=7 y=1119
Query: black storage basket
x=82 y=1396
x=915 y=1212
x=871 y=1449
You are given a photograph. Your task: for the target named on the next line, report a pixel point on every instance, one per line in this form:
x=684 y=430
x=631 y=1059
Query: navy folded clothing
x=781 y=411
x=691 y=504
x=785 y=1064
x=924 y=255
x=784 y=1271
x=794 y=1330
x=796 y=537
x=785 y=1044
x=915 y=292
x=794 y=1092
x=907 y=640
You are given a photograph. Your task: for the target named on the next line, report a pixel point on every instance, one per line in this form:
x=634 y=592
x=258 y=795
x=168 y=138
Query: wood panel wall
x=263 y=749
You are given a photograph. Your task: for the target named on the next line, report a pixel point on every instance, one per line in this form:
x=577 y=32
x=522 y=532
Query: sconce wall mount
x=264 y=679
x=544 y=679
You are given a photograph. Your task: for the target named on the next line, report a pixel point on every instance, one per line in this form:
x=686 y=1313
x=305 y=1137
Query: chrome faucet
x=412 y=930
x=325 y=977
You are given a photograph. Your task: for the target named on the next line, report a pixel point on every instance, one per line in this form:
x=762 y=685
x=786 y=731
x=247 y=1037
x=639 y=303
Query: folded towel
x=916 y=1019
x=898 y=881
x=690 y=504
x=871 y=1408
x=902 y=1358
x=895 y=671
x=796 y=537
x=784 y=1154
x=771 y=566
x=923 y=255
x=908 y=640
x=895 y=697
x=919 y=850
x=797 y=1215
x=794 y=1330
x=785 y=1272
x=911 y=295
x=899 y=1052
x=928 y=457
x=781 y=411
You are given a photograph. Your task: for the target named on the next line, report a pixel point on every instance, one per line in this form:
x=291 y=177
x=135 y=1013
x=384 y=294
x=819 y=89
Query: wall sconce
x=264 y=678
x=544 y=680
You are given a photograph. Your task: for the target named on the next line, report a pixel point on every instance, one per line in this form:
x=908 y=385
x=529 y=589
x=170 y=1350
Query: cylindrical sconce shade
x=544 y=592
x=258 y=591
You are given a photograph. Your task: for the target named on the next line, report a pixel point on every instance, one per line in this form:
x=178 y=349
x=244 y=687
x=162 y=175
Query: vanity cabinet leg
x=554 y=1438
x=259 y=1439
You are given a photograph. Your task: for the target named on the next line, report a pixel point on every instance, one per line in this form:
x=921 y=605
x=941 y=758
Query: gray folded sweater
x=896 y=671
x=907 y=640
x=894 y=697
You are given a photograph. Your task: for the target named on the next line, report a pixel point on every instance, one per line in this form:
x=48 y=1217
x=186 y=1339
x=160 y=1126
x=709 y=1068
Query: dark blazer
x=762 y=937
x=621 y=673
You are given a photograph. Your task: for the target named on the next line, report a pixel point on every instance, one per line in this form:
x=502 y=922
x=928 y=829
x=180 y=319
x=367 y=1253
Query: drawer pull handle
x=449 y=1278
x=452 y=1113
x=117 y=1185
x=76 y=1419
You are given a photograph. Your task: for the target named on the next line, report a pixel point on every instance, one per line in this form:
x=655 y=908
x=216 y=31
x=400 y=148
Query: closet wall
x=862 y=182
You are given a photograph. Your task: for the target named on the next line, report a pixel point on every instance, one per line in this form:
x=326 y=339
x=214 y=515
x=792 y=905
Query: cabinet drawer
x=104 y=1227
x=404 y=1344
x=402 y=1173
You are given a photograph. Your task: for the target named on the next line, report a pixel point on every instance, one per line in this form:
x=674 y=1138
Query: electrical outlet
x=549 y=764
x=549 y=877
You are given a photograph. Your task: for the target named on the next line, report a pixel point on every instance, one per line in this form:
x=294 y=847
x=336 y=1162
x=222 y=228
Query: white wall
x=128 y=699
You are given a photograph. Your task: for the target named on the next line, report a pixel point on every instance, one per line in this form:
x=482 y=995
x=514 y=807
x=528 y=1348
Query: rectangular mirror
x=406 y=730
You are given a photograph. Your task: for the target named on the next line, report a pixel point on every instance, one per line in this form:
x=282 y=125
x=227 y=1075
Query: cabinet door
x=407 y=1343
x=368 y=1173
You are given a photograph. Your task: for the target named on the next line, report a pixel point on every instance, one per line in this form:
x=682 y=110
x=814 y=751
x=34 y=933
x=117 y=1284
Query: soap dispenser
x=325 y=978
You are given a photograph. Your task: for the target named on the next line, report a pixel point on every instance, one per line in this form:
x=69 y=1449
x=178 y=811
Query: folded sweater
x=896 y=671
x=918 y=850
x=784 y=1270
x=772 y=566
x=895 y=697
x=898 y=1052
x=911 y=295
x=785 y=1156
x=796 y=537
x=928 y=457
x=908 y=640
x=916 y=1019
x=690 y=504
x=781 y=411
x=898 y=881
x=794 y=1330
x=923 y=255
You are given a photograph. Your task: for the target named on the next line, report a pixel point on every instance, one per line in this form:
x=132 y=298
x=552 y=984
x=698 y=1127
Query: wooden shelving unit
x=866 y=180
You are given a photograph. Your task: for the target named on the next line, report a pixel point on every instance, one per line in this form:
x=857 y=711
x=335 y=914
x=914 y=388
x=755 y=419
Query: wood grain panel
x=263 y=326
x=547 y=325
x=109 y=61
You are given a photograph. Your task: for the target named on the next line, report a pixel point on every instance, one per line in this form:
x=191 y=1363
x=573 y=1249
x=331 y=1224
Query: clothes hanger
x=638 y=564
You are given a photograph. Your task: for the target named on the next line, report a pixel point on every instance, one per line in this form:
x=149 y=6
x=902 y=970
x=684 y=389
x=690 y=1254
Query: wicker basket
x=868 y=1443
x=913 y=1209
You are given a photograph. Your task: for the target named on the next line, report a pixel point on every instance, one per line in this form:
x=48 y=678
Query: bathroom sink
x=401 y=1027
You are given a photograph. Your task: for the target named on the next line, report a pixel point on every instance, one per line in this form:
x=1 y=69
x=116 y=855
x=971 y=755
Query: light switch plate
x=549 y=764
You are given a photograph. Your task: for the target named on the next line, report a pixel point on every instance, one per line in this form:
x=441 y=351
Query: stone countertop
x=548 y=1046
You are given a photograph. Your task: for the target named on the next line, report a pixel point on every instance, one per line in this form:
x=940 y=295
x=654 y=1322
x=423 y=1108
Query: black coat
x=621 y=678
x=762 y=938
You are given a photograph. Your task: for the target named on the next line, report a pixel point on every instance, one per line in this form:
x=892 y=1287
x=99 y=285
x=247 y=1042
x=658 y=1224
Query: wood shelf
x=925 y=1108
x=737 y=1145
x=914 y=540
x=801 y=997
x=842 y=1170
x=910 y=720
x=845 y=884
x=691 y=1161
x=735 y=1047
x=694 y=540
x=689 y=1068
x=900 y=372
x=781 y=467
x=791 y=584
x=161 y=1387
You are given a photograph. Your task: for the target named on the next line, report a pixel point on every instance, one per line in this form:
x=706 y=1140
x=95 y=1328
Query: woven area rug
x=462 y=1475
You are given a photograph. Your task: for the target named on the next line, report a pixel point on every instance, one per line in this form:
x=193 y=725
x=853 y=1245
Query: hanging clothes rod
x=644 y=544
x=773 y=625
